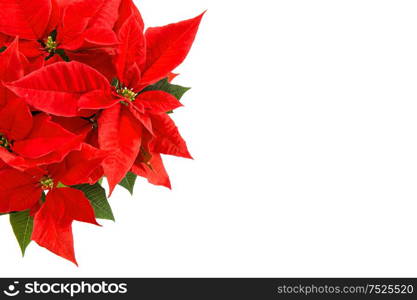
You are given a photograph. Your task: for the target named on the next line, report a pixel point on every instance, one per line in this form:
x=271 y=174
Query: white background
x=303 y=123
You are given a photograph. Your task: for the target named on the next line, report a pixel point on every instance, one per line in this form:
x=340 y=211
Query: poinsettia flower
x=12 y=67
x=101 y=59
x=74 y=89
x=123 y=112
x=84 y=93
x=27 y=141
x=53 y=219
x=50 y=27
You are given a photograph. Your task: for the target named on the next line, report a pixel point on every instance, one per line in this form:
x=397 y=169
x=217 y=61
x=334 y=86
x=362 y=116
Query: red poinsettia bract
x=86 y=92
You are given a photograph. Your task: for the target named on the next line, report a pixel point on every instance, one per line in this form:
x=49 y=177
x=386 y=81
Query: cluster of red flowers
x=85 y=92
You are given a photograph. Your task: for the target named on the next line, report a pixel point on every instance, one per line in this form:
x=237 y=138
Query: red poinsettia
x=125 y=109
x=85 y=92
x=22 y=190
x=49 y=27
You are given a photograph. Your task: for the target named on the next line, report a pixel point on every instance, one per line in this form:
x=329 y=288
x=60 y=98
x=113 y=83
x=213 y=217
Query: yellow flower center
x=47 y=183
x=50 y=44
x=4 y=142
x=128 y=94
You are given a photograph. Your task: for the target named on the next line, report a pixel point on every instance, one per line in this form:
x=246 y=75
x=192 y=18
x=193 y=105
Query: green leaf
x=63 y=55
x=97 y=196
x=129 y=182
x=2 y=49
x=53 y=35
x=115 y=83
x=22 y=224
x=43 y=197
x=163 y=85
x=60 y=185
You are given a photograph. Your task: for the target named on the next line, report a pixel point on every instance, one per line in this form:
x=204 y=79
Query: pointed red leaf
x=90 y=20
x=97 y=99
x=75 y=19
x=91 y=38
x=76 y=125
x=57 y=88
x=126 y=10
x=15 y=119
x=167 y=138
x=79 y=167
x=157 y=101
x=13 y=160
x=12 y=63
x=12 y=67
x=31 y=49
x=96 y=58
x=120 y=135
x=167 y=47
x=171 y=76
x=131 y=48
x=153 y=170
x=18 y=191
x=27 y=19
x=47 y=142
x=53 y=222
x=144 y=119
x=106 y=16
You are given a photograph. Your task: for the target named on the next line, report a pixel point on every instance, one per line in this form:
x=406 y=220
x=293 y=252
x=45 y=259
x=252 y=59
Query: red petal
x=167 y=138
x=47 y=142
x=75 y=19
x=12 y=63
x=171 y=76
x=55 y=17
x=15 y=119
x=106 y=16
x=144 y=119
x=13 y=160
x=131 y=48
x=79 y=166
x=120 y=134
x=96 y=58
x=31 y=49
x=97 y=99
x=167 y=47
x=158 y=101
x=57 y=88
x=126 y=10
x=92 y=38
x=53 y=222
x=27 y=19
x=12 y=67
x=91 y=20
x=18 y=191
x=78 y=126
x=153 y=170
